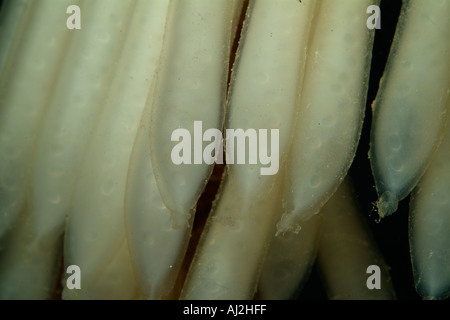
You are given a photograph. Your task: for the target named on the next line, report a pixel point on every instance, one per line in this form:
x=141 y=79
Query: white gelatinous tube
x=13 y=19
x=28 y=273
x=289 y=261
x=26 y=84
x=229 y=256
x=116 y=281
x=149 y=220
x=332 y=109
x=191 y=86
x=347 y=250
x=264 y=92
x=73 y=111
x=429 y=225
x=97 y=217
x=149 y=223
x=410 y=109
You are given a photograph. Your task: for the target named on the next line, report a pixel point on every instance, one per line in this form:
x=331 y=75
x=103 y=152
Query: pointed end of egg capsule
x=180 y=219
x=293 y=219
x=387 y=204
x=434 y=298
x=432 y=284
x=288 y=223
x=437 y=293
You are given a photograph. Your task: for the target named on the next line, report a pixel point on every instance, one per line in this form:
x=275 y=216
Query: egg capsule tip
x=387 y=204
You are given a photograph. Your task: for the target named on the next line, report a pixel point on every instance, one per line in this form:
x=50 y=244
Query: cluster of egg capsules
x=92 y=92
